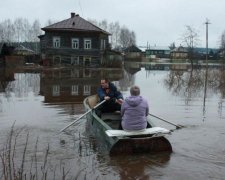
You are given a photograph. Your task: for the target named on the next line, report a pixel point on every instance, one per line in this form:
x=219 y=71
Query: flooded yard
x=36 y=105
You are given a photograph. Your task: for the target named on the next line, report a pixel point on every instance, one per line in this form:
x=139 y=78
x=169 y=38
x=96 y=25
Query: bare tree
x=114 y=29
x=36 y=31
x=120 y=37
x=172 y=46
x=27 y=31
x=127 y=38
x=191 y=39
x=103 y=25
x=6 y=31
x=18 y=24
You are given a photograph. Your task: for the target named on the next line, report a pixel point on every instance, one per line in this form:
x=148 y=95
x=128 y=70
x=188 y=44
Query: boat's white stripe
x=154 y=130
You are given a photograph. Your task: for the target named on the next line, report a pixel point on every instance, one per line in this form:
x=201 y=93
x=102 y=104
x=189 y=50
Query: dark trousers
x=108 y=106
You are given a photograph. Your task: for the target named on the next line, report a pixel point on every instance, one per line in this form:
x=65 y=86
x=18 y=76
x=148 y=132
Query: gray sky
x=158 y=22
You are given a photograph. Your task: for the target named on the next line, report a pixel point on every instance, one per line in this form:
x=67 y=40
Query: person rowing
x=109 y=92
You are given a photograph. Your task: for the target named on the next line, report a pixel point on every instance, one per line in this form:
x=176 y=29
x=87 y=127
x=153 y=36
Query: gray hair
x=135 y=91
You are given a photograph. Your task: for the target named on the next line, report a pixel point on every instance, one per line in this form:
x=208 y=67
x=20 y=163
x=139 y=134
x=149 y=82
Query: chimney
x=72 y=14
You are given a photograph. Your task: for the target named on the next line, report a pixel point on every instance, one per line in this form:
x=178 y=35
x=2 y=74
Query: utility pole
x=207 y=23
x=206 y=70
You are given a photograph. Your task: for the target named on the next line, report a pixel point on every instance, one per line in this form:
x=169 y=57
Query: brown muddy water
x=40 y=103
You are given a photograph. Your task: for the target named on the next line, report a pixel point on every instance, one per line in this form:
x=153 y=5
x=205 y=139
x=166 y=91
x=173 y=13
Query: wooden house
x=179 y=53
x=73 y=41
x=133 y=53
x=157 y=52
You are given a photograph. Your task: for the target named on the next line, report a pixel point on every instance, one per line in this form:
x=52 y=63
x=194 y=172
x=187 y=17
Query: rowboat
x=118 y=141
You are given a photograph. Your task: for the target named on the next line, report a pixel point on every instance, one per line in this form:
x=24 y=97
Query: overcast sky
x=158 y=22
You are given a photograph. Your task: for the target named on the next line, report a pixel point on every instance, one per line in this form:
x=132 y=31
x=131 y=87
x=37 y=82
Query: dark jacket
x=113 y=92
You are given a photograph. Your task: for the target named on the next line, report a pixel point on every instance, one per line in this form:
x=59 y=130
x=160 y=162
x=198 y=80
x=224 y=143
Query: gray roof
x=180 y=49
x=75 y=23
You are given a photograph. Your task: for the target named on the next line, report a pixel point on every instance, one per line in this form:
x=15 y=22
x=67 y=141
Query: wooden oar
x=82 y=116
x=177 y=126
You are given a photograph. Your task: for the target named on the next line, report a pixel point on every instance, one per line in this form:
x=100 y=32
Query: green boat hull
x=123 y=144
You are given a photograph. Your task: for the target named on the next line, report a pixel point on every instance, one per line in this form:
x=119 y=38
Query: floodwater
x=36 y=105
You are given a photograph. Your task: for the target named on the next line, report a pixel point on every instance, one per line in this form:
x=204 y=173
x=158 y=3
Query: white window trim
x=55 y=90
x=75 y=43
x=56 y=42
x=87 y=44
x=87 y=90
x=74 y=90
x=75 y=59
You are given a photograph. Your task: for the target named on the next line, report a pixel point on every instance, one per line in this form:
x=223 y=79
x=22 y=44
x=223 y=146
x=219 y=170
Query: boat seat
x=159 y=131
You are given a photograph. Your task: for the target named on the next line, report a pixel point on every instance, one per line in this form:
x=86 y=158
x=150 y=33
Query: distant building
x=155 y=52
x=198 y=53
x=73 y=41
x=213 y=54
x=133 y=53
x=179 y=53
x=21 y=50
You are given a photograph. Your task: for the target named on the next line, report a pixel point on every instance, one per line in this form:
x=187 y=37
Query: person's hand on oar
x=119 y=101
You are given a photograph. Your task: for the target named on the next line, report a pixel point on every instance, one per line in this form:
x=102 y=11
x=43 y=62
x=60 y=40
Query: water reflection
x=129 y=167
x=49 y=99
x=6 y=75
x=73 y=85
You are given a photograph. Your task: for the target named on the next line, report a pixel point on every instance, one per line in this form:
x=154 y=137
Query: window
x=86 y=73
x=87 y=44
x=87 y=60
x=75 y=43
x=55 y=90
x=75 y=73
x=87 y=89
x=103 y=43
x=75 y=60
x=56 y=60
x=74 y=90
x=56 y=42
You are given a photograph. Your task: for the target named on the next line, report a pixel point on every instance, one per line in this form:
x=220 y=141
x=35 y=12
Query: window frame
x=74 y=90
x=56 y=42
x=87 y=43
x=75 y=43
x=86 y=89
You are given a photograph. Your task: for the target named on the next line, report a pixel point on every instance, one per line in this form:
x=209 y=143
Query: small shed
x=132 y=52
x=21 y=50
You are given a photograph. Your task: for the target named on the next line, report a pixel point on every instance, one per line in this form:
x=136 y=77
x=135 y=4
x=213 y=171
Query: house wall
x=179 y=55
x=65 y=51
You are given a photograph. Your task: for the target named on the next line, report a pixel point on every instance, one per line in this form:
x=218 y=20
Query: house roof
x=180 y=49
x=23 y=50
x=203 y=50
x=165 y=48
x=132 y=48
x=74 y=23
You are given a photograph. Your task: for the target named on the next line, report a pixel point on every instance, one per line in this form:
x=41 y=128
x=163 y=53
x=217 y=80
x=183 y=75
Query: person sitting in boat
x=108 y=91
x=134 y=111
